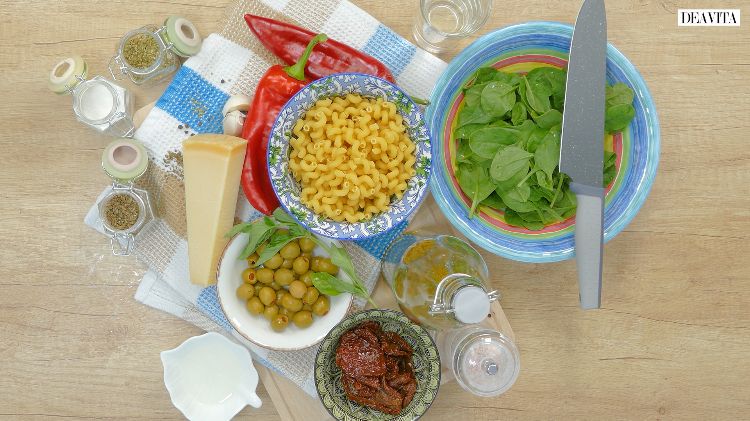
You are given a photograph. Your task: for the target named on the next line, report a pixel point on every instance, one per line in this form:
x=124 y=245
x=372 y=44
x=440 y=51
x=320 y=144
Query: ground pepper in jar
x=121 y=212
x=140 y=51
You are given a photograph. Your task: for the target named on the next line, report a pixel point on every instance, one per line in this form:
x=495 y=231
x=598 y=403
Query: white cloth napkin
x=232 y=62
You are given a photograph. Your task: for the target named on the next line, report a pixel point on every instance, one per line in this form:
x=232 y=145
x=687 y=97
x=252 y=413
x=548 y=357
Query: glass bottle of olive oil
x=438 y=280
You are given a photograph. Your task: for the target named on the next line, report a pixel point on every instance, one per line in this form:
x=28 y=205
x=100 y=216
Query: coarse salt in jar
x=151 y=53
x=97 y=102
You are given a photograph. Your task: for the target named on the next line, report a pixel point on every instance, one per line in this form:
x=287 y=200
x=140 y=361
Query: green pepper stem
x=297 y=70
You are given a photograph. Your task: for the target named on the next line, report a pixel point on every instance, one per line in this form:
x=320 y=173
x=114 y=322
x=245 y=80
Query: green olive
x=248 y=276
x=270 y=312
x=264 y=275
x=301 y=265
x=283 y=276
x=291 y=303
x=288 y=264
x=327 y=266
x=306 y=244
x=267 y=296
x=315 y=264
x=254 y=306
x=306 y=307
x=280 y=294
x=257 y=287
x=290 y=251
x=275 y=286
x=252 y=260
x=321 y=306
x=307 y=278
x=285 y=311
x=246 y=291
x=260 y=248
x=311 y=296
x=280 y=322
x=302 y=319
x=297 y=289
x=274 y=262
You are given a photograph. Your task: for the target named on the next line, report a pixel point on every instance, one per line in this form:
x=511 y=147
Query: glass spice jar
x=97 y=102
x=150 y=53
x=125 y=210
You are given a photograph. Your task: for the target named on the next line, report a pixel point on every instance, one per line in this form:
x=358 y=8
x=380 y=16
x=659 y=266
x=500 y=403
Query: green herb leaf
x=618 y=117
x=518 y=114
x=537 y=96
x=473 y=115
x=331 y=285
x=259 y=231
x=475 y=182
x=547 y=155
x=507 y=162
x=619 y=93
x=278 y=240
x=486 y=142
x=549 y=119
x=497 y=98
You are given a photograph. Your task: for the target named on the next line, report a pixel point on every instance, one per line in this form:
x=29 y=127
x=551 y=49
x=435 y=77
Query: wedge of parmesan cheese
x=212 y=167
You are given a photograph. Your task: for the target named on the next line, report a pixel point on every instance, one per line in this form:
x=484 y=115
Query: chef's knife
x=582 y=144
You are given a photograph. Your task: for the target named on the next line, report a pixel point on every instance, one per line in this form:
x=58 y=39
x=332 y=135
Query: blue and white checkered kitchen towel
x=232 y=62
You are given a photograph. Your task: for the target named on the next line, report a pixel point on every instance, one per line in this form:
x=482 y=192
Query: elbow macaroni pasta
x=351 y=155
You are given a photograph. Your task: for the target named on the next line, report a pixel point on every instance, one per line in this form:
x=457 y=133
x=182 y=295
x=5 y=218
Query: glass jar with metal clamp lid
x=125 y=210
x=438 y=280
x=97 y=102
x=151 y=53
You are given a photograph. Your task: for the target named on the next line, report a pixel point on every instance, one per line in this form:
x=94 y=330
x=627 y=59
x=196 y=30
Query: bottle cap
x=486 y=363
x=67 y=74
x=471 y=304
x=124 y=160
x=184 y=36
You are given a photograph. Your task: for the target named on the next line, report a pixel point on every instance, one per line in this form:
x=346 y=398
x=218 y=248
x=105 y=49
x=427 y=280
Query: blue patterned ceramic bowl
x=288 y=190
x=521 y=48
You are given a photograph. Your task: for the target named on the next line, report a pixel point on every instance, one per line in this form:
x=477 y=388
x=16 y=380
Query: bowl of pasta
x=349 y=156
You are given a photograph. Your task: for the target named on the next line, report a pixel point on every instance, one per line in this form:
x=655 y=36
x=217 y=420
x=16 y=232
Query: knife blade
x=582 y=143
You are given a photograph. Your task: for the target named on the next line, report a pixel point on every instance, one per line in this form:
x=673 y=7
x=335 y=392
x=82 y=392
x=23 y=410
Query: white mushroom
x=236 y=103
x=233 y=123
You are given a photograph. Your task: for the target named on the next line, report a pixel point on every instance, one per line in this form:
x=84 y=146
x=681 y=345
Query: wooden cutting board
x=290 y=401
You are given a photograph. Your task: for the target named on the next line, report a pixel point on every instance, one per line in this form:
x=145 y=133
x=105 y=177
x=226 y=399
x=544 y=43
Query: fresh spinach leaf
x=486 y=142
x=473 y=115
x=549 y=119
x=497 y=98
x=475 y=182
x=547 y=155
x=508 y=161
x=493 y=201
x=518 y=114
x=465 y=131
x=619 y=93
x=537 y=96
x=618 y=117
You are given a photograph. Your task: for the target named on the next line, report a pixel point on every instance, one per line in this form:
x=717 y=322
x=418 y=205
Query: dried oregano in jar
x=141 y=51
x=121 y=212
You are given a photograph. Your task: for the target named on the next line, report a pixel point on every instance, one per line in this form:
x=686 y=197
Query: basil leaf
x=508 y=161
x=278 y=240
x=284 y=218
x=330 y=285
x=259 y=231
x=238 y=229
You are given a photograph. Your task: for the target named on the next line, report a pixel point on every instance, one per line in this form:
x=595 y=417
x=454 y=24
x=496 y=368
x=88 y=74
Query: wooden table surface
x=672 y=340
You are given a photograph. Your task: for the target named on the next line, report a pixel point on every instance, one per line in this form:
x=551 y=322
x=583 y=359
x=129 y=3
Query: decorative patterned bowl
x=425 y=359
x=288 y=190
x=521 y=48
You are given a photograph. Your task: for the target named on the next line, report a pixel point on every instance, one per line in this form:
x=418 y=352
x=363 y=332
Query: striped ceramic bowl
x=521 y=48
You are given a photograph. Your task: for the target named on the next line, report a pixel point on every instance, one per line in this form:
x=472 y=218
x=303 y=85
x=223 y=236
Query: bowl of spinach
x=495 y=118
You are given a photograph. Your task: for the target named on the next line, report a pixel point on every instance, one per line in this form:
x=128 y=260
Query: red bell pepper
x=288 y=41
x=275 y=88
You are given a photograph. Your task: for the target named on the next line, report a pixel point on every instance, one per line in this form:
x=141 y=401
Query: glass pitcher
x=439 y=280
